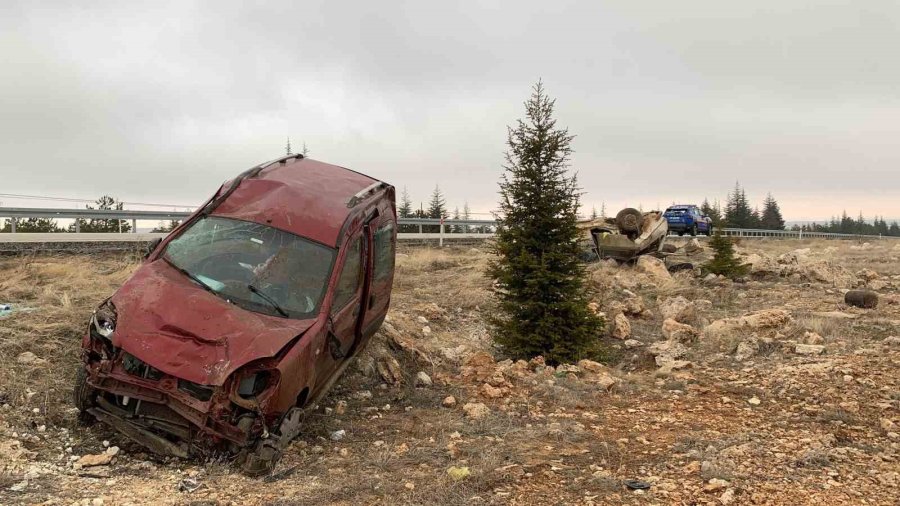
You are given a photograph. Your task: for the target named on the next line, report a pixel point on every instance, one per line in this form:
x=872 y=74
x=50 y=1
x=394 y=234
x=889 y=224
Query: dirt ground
x=766 y=391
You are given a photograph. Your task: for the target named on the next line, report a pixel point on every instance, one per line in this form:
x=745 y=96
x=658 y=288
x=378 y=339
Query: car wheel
x=708 y=229
x=681 y=233
x=84 y=395
x=629 y=220
x=694 y=230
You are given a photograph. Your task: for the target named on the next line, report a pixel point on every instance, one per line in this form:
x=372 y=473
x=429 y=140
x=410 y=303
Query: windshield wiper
x=268 y=299
x=191 y=276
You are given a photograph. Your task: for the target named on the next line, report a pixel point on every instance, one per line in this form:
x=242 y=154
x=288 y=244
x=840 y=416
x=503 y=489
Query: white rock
x=809 y=349
x=423 y=379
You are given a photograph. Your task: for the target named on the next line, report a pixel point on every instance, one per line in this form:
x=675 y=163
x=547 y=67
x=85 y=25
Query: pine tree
x=724 y=261
x=406 y=211
x=771 y=215
x=437 y=208
x=714 y=213
x=456 y=229
x=539 y=282
x=738 y=213
x=466 y=215
x=594 y=214
x=107 y=203
x=287 y=148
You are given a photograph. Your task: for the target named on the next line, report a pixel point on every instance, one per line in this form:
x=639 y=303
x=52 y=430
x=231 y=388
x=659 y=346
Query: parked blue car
x=688 y=218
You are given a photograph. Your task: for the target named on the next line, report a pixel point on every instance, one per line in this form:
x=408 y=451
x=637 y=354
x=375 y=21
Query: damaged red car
x=245 y=314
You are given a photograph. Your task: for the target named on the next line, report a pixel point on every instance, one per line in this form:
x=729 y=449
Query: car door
x=382 y=234
x=347 y=305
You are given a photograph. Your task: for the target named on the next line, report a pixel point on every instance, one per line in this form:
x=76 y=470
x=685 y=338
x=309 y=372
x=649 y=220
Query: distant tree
x=713 y=211
x=594 y=214
x=305 y=150
x=103 y=225
x=406 y=211
x=437 y=208
x=32 y=225
x=724 y=261
x=456 y=229
x=287 y=148
x=538 y=280
x=771 y=216
x=466 y=215
x=738 y=213
x=164 y=227
x=894 y=229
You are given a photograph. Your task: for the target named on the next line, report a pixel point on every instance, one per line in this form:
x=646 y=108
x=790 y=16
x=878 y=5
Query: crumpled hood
x=169 y=322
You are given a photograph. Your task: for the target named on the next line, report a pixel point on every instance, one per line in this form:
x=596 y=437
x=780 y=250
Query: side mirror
x=151 y=247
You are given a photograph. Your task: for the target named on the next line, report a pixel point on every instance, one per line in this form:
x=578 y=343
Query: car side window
x=351 y=275
x=384 y=251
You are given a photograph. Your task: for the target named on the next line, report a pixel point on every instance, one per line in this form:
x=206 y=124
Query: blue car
x=688 y=218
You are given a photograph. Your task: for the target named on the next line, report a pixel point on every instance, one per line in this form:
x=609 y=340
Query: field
x=768 y=391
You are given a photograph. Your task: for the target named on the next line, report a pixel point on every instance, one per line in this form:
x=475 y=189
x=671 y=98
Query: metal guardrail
x=470 y=228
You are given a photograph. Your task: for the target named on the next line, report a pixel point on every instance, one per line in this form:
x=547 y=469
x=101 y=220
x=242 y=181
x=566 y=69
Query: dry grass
x=63 y=291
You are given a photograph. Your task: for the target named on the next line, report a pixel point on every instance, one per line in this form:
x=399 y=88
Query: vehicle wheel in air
x=629 y=220
x=694 y=230
x=84 y=395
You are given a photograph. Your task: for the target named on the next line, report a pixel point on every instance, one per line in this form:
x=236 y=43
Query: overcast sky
x=670 y=101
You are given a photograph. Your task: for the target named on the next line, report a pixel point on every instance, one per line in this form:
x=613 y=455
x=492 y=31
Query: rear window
x=675 y=212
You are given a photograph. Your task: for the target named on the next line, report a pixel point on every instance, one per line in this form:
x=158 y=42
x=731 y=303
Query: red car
x=245 y=314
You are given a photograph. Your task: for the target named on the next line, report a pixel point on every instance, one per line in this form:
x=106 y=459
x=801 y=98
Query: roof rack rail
x=368 y=191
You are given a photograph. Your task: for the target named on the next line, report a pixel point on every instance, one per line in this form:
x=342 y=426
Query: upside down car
x=245 y=314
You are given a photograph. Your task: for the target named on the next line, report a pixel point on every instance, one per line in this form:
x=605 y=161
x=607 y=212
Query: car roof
x=682 y=206
x=299 y=195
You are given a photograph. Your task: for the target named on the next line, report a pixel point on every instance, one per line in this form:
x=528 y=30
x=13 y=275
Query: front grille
x=197 y=391
x=137 y=367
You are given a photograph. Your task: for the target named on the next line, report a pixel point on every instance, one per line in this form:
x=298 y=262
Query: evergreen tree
x=594 y=214
x=103 y=225
x=456 y=229
x=724 y=261
x=32 y=225
x=894 y=229
x=737 y=210
x=406 y=211
x=771 y=215
x=539 y=282
x=437 y=208
x=466 y=215
x=713 y=211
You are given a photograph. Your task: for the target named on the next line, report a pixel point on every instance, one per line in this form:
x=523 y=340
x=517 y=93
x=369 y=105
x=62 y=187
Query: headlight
x=253 y=384
x=103 y=321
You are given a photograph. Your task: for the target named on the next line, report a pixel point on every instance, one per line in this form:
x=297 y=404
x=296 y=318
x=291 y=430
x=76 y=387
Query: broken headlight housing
x=103 y=321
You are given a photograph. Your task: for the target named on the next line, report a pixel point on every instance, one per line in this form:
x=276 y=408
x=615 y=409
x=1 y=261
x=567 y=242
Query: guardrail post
x=134 y=226
x=77 y=225
x=12 y=224
x=801 y=234
x=441 y=239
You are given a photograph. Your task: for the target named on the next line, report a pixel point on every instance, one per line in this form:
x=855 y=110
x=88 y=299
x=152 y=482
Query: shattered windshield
x=255 y=266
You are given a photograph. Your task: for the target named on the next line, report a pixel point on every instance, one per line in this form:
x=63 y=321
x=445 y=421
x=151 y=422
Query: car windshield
x=255 y=266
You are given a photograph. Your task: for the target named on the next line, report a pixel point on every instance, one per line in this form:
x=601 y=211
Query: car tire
x=694 y=230
x=84 y=395
x=629 y=220
x=708 y=229
x=681 y=233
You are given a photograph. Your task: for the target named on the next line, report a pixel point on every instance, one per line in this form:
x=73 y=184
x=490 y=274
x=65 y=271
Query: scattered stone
x=449 y=401
x=812 y=338
x=188 y=485
x=621 y=327
x=475 y=410
x=633 y=343
x=422 y=320
x=757 y=321
x=866 y=299
x=423 y=379
x=458 y=473
x=809 y=349
x=667 y=352
x=692 y=246
x=679 y=309
x=100 y=459
x=426 y=331
x=653 y=267
x=491 y=392
x=715 y=484
x=746 y=349
x=679 y=332
x=29 y=358
x=340 y=407
x=867 y=275
x=389 y=370
x=754 y=401
x=338 y=435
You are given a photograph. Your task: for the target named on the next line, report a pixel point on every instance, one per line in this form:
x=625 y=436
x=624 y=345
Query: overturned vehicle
x=245 y=314
x=630 y=234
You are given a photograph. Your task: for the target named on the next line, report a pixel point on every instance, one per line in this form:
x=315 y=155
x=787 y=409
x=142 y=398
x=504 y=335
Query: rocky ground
x=767 y=391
